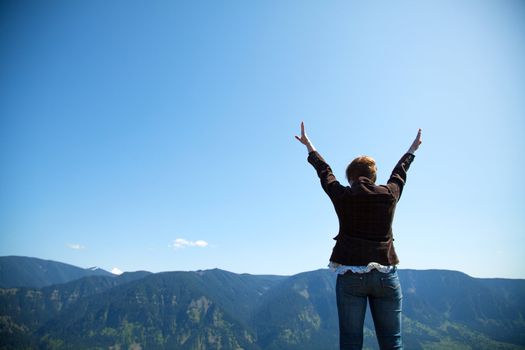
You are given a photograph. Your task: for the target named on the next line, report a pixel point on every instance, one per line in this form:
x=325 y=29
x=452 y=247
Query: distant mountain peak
x=21 y=271
x=116 y=271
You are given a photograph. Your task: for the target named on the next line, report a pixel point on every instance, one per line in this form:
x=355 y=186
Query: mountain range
x=51 y=305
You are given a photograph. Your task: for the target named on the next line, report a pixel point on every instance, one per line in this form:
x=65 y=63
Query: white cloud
x=116 y=271
x=181 y=243
x=75 y=246
x=201 y=243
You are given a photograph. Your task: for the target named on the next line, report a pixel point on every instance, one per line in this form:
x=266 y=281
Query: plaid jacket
x=365 y=212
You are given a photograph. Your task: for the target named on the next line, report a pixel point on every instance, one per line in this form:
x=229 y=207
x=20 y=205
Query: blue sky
x=159 y=135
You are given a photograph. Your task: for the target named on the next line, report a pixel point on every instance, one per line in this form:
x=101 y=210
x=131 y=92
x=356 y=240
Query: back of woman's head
x=361 y=166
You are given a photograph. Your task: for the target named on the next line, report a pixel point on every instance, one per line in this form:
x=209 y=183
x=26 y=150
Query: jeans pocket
x=390 y=281
x=350 y=283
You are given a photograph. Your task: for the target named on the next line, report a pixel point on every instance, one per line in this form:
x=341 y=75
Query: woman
x=364 y=257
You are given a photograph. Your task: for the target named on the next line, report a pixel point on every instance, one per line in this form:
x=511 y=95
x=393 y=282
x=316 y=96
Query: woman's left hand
x=304 y=139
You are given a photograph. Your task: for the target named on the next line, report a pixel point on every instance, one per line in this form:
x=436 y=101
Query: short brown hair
x=362 y=166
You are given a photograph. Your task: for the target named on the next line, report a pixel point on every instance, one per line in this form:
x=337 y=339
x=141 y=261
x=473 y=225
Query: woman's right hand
x=415 y=145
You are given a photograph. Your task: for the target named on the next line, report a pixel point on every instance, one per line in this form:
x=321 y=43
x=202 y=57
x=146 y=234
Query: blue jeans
x=383 y=292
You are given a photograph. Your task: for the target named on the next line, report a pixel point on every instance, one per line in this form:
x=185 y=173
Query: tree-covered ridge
x=216 y=309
